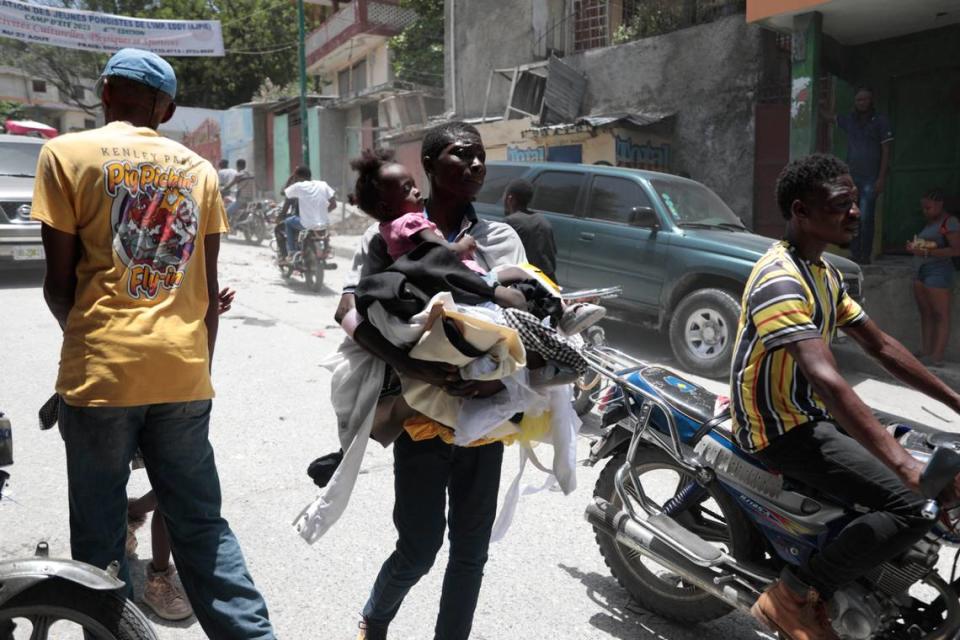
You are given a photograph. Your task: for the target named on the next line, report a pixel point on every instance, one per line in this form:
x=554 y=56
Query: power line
x=284 y=47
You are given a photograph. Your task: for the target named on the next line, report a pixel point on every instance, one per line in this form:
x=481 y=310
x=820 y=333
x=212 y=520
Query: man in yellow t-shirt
x=793 y=410
x=131 y=229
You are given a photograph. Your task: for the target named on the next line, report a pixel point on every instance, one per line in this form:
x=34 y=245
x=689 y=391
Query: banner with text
x=92 y=31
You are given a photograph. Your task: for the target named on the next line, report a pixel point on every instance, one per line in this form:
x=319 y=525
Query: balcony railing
x=380 y=17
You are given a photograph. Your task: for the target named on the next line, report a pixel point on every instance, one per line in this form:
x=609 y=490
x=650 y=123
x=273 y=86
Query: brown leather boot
x=792 y=615
x=822 y=615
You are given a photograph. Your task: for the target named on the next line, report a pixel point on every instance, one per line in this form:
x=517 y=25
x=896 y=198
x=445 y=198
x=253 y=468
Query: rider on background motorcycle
x=793 y=409
x=314 y=199
x=240 y=188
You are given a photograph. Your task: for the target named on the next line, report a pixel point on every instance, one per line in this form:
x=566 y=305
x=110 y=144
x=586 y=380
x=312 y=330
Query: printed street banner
x=92 y=31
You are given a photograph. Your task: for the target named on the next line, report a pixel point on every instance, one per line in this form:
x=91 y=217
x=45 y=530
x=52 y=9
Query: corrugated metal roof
x=589 y=123
x=563 y=96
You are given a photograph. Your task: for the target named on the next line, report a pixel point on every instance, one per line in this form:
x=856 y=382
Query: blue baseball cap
x=142 y=66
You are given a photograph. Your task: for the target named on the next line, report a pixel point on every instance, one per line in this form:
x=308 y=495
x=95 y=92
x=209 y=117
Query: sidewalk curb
x=850 y=356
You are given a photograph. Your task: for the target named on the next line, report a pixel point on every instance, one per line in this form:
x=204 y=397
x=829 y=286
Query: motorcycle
x=312 y=260
x=41 y=593
x=587 y=386
x=252 y=222
x=694 y=528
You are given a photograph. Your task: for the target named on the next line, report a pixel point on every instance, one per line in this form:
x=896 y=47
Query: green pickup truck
x=679 y=252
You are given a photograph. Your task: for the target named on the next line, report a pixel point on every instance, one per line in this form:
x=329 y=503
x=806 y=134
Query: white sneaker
x=165 y=596
x=579 y=316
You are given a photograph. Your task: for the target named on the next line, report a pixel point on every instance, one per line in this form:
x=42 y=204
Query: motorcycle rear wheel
x=665 y=593
x=55 y=602
x=313 y=270
x=259 y=231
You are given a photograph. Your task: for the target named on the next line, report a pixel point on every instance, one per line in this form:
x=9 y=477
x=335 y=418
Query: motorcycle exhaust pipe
x=621 y=527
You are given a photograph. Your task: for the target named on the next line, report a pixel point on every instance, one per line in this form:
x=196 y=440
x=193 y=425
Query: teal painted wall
x=281 y=153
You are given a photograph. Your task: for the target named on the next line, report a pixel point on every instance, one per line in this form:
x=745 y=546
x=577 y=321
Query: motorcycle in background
x=41 y=594
x=693 y=527
x=252 y=222
x=312 y=259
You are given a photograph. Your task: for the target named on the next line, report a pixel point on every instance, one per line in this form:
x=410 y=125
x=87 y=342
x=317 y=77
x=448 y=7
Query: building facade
x=42 y=101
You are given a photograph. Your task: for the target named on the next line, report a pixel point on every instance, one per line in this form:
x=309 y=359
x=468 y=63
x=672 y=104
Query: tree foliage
x=10 y=110
x=418 y=49
x=260 y=37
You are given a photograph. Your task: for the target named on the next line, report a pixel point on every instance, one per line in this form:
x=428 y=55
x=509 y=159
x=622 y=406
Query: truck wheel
x=702 y=332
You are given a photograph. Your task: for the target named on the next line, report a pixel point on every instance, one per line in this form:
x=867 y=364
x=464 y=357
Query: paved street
x=272 y=417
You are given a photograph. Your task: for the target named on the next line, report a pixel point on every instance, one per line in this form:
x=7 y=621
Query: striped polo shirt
x=786 y=299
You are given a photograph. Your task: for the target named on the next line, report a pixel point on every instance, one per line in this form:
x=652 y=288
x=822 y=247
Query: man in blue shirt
x=869 y=138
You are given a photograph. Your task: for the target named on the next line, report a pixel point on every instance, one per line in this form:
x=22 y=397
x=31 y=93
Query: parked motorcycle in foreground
x=693 y=527
x=42 y=598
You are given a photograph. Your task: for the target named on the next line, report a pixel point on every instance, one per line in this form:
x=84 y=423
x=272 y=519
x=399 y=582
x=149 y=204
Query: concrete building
x=44 y=103
x=360 y=98
x=650 y=102
x=907 y=53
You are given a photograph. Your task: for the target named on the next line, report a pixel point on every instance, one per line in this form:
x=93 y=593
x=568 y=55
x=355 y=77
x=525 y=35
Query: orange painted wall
x=760 y=9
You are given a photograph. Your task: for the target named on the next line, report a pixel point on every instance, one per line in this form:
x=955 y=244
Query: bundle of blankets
x=421 y=305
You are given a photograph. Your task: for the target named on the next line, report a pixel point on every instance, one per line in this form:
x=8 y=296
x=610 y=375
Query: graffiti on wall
x=526 y=154
x=205 y=140
x=649 y=154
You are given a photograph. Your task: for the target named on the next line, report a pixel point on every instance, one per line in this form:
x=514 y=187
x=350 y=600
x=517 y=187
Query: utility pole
x=304 y=137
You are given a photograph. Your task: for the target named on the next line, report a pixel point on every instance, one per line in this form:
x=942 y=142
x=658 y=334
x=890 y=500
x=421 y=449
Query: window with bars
x=591 y=24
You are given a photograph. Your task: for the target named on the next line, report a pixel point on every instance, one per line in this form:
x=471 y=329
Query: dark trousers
x=824 y=458
x=425 y=473
x=100 y=442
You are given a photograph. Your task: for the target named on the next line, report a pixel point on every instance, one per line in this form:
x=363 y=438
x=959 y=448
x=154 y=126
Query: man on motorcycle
x=793 y=409
x=314 y=198
x=241 y=189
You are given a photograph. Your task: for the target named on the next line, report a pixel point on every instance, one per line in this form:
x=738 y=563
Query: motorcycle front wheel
x=57 y=608
x=715 y=518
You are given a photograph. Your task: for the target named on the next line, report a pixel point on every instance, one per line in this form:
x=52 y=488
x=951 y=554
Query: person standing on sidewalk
x=426 y=472
x=131 y=228
x=869 y=141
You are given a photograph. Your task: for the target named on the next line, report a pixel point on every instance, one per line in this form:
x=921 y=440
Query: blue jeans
x=100 y=442
x=424 y=472
x=293 y=227
x=235 y=207
x=862 y=245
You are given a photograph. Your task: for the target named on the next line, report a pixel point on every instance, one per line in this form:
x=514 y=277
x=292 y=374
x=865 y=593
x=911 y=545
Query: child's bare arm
x=464 y=245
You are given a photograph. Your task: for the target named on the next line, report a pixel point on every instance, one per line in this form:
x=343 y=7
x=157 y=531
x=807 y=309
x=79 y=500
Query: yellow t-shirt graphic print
x=141 y=206
x=154 y=217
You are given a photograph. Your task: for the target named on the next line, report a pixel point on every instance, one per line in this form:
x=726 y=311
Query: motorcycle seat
x=688 y=397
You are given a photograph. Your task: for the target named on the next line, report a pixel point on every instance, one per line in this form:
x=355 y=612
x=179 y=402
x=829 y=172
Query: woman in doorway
x=933 y=249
